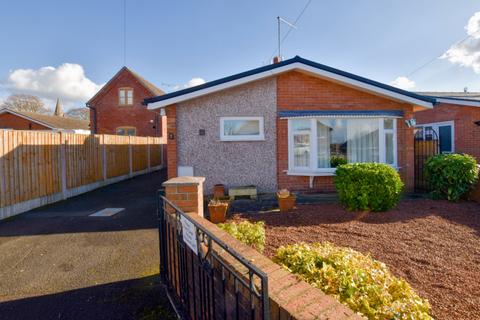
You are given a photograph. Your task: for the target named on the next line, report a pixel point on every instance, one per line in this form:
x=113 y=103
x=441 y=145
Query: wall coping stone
x=184 y=181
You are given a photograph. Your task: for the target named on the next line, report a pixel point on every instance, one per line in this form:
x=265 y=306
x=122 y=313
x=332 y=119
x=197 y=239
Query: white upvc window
x=316 y=146
x=241 y=129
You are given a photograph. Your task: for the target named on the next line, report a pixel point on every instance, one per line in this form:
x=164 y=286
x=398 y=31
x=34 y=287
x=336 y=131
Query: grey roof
x=454 y=95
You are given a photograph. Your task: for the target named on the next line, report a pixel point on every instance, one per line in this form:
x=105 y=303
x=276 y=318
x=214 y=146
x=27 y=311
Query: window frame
x=126 y=90
x=436 y=125
x=313 y=170
x=126 y=128
x=259 y=137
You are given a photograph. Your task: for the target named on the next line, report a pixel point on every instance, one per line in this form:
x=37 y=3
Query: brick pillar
x=171 y=112
x=186 y=193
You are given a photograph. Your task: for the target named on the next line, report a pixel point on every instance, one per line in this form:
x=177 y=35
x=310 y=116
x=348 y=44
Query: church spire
x=58 y=109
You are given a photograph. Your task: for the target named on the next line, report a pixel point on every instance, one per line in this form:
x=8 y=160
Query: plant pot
x=286 y=204
x=217 y=213
x=218 y=191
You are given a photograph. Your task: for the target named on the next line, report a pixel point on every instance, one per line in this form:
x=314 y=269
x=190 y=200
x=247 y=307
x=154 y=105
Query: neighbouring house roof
x=296 y=63
x=51 y=121
x=460 y=98
x=155 y=91
x=340 y=113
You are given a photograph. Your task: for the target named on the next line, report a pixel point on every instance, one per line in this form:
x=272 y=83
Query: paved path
x=56 y=262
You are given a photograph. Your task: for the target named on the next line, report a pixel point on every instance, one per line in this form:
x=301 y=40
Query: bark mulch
x=434 y=245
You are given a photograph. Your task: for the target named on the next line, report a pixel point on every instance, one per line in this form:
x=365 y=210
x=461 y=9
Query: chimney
x=277 y=59
x=58 y=109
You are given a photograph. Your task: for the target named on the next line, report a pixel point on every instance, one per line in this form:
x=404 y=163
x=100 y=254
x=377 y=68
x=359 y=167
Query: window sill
x=310 y=173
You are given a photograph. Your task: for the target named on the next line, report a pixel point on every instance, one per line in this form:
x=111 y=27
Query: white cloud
x=403 y=83
x=67 y=82
x=190 y=83
x=194 y=82
x=467 y=52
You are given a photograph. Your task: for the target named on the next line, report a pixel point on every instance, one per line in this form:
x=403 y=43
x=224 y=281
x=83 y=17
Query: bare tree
x=25 y=102
x=79 y=113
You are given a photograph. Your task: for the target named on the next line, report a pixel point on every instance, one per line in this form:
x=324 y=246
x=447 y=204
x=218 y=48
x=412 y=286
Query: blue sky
x=171 y=42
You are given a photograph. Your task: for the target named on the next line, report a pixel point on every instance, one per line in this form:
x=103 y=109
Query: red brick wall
x=11 y=121
x=298 y=91
x=110 y=115
x=467 y=133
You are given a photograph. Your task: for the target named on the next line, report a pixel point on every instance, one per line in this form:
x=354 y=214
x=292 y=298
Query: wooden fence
x=37 y=168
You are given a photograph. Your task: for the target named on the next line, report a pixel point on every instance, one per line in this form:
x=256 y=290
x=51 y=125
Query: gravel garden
x=384 y=257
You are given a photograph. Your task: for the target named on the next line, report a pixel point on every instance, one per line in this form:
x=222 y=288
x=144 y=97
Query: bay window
x=319 y=145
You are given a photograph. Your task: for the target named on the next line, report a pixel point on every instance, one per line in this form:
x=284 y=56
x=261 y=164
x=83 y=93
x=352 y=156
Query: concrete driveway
x=57 y=262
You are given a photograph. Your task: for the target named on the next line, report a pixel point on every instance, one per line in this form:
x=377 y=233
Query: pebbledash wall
x=233 y=163
x=467 y=133
x=265 y=163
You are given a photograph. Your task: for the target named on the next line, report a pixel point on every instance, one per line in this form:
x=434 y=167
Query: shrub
x=363 y=284
x=251 y=234
x=368 y=186
x=451 y=175
x=336 y=161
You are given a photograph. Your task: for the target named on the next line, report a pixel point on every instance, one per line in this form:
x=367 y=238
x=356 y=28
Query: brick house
x=288 y=125
x=455 y=119
x=22 y=120
x=118 y=107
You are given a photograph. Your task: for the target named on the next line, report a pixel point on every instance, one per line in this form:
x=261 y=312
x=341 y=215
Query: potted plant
x=286 y=200
x=218 y=210
x=218 y=191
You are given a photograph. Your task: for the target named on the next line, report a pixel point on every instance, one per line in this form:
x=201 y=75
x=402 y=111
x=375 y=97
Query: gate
x=426 y=144
x=205 y=277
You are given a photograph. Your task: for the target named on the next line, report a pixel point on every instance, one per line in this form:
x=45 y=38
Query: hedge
x=363 y=284
x=251 y=234
x=450 y=176
x=368 y=186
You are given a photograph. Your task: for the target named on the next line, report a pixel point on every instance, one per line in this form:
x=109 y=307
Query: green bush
x=336 y=161
x=450 y=176
x=368 y=186
x=363 y=284
x=251 y=234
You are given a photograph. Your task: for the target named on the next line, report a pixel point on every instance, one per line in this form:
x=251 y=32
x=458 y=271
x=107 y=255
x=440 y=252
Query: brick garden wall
x=289 y=297
x=299 y=91
x=467 y=133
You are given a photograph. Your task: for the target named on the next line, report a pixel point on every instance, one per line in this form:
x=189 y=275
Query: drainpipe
x=94 y=117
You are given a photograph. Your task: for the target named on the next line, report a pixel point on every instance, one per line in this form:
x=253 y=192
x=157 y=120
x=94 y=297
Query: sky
x=69 y=49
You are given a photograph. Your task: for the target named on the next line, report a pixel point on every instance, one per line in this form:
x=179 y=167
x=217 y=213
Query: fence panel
x=118 y=155
x=83 y=158
x=139 y=153
x=36 y=164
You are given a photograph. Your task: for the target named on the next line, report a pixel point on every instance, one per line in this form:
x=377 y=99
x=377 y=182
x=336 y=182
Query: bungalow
x=288 y=125
x=22 y=120
x=455 y=119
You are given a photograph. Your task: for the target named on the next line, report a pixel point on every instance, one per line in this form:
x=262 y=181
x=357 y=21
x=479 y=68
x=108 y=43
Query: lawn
x=434 y=245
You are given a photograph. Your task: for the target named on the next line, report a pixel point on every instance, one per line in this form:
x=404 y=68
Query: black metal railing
x=207 y=278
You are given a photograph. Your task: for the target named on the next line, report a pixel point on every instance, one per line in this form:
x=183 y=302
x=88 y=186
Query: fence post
x=148 y=154
x=104 y=156
x=130 y=153
x=63 y=164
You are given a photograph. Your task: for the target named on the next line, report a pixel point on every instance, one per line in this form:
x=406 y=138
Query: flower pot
x=218 y=191
x=217 y=212
x=287 y=204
